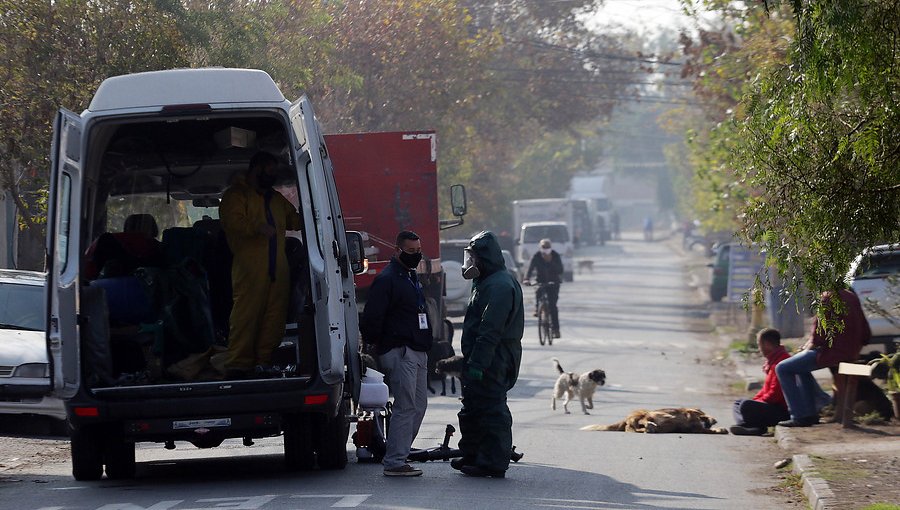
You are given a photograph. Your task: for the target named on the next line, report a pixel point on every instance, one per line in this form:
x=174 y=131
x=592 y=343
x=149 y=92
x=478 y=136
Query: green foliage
x=820 y=142
x=508 y=87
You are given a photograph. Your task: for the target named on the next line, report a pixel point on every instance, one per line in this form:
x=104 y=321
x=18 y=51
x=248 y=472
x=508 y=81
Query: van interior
x=156 y=266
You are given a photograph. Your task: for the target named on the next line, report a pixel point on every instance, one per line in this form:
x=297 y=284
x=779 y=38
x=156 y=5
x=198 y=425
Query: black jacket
x=546 y=271
x=391 y=315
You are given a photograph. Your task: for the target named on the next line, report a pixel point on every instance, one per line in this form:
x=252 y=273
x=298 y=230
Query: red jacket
x=845 y=345
x=771 y=390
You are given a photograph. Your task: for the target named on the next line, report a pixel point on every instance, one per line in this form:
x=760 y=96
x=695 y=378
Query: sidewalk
x=840 y=469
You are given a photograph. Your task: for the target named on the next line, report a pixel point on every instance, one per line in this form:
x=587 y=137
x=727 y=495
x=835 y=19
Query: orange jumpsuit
x=260 y=293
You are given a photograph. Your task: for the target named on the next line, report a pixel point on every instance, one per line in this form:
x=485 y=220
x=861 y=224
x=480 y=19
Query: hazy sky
x=647 y=16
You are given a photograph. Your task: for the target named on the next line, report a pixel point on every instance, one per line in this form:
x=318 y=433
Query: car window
x=22 y=306
x=452 y=252
x=878 y=265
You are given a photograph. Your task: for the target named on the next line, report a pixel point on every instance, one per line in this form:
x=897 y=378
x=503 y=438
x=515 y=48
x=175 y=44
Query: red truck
x=387 y=182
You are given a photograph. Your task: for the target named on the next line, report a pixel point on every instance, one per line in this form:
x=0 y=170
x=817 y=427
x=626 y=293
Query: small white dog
x=571 y=384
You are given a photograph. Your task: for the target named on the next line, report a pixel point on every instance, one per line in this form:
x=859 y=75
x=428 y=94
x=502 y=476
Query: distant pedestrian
x=820 y=351
x=492 y=348
x=395 y=324
x=753 y=416
x=648 y=228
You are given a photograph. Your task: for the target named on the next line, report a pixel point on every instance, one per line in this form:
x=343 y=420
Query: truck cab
x=134 y=337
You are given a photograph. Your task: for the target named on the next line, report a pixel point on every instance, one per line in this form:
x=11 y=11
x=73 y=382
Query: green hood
x=485 y=246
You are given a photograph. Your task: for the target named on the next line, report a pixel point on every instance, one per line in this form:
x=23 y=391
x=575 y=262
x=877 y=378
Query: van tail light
x=86 y=411
x=314 y=400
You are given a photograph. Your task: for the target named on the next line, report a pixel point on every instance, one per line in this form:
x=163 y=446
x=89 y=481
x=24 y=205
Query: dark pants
x=751 y=413
x=552 y=292
x=485 y=426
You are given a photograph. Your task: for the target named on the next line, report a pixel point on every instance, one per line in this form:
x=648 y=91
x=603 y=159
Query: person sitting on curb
x=753 y=416
x=822 y=351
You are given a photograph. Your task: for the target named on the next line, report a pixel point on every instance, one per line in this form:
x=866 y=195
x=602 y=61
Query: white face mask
x=469 y=270
x=546 y=251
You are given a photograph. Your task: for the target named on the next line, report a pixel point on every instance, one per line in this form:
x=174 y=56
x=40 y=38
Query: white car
x=24 y=370
x=875 y=277
x=458 y=289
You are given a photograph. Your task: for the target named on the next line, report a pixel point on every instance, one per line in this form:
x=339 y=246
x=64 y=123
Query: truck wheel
x=333 y=433
x=119 y=456
x=298 y=443
x=87 y=454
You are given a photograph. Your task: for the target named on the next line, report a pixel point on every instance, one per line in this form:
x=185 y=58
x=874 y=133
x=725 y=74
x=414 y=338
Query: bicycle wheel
x=543 y=324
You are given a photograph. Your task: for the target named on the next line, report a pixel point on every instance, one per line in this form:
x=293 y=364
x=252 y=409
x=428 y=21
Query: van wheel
x=87 y=454
x=119 y=458
x=298 y=445
x=334 y=433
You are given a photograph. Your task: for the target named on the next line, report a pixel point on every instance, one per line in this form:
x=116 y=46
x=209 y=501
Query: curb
x=815 y=489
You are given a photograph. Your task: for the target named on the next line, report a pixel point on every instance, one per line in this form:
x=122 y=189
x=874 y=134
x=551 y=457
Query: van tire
x=298 y=443
x=87 y=454
x=119 y=458
x=334 y=433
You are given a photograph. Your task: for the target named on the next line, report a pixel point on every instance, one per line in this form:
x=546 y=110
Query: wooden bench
x=846 y=381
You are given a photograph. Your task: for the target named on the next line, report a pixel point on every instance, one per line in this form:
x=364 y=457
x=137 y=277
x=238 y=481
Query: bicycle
x=545 y=326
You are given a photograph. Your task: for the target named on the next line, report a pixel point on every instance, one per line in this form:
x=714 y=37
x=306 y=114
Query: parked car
x=458 y=288
x=718 y=286
x=511 y=265
x=875 y=277
x=24 y=370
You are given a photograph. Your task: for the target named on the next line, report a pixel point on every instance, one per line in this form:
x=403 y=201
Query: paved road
x=633 y=316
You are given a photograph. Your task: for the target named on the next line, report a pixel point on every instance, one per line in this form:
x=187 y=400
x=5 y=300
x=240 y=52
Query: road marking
x=162 y=505
x=344 y=500
x=66 y=488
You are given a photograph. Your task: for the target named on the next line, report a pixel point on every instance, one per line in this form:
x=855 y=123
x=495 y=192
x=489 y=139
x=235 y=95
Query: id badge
x=423 y=321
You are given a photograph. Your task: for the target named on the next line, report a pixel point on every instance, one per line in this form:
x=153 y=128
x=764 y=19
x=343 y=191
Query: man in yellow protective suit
x=254 y=217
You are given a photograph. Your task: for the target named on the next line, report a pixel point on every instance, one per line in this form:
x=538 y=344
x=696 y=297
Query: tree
x=54 y=54
x=819 y=141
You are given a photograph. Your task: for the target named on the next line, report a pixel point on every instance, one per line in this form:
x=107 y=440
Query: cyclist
x=548 y=269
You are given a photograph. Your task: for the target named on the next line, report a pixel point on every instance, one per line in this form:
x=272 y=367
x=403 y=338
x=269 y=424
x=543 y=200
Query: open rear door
x=332 y=281
x=63 y=217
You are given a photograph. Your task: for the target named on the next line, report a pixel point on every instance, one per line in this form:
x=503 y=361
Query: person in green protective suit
x=255 y=217
x=492 y=348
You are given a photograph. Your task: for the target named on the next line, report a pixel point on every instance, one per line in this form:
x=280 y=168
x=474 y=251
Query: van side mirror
x=356 y=252
x=457 y=206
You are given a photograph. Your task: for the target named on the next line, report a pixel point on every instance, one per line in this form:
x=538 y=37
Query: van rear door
x=63 y=220
x=328 y=293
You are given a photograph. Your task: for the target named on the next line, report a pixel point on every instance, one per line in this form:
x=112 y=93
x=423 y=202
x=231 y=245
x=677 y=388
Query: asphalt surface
x=634 y=316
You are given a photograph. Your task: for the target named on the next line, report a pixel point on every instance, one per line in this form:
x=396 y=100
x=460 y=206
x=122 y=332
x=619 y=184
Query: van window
x=65 y=218
x=879 y=265
x=556 y=233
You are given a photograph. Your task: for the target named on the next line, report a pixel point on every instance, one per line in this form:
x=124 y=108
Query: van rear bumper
x=234 y=410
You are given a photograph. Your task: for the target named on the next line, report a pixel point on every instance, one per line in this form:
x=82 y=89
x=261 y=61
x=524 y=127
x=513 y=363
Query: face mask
x=265 y=181
x=546 y=251
x=410 y=260
x=470 y=270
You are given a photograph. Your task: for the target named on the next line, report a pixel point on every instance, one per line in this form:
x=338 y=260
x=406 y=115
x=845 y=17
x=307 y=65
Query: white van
x=131 y=349
x=528 y=243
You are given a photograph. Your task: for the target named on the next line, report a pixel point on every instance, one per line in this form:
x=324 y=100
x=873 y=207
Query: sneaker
x=740 y=430
x=556 y=333
x=404 y=470
x=807 y=421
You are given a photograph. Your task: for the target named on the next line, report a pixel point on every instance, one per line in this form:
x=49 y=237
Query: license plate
x=196 y=424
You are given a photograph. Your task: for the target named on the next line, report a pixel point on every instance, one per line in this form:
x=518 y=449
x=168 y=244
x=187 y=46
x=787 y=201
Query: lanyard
x=420 y=296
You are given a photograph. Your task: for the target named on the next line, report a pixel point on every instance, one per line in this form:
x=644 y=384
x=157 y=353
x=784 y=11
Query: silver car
x=24 y=370
x=875 y=277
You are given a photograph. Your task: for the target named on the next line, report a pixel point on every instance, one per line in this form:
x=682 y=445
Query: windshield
x=22 y=306
x=453 y=252
x=879 y=265
x=556 y=233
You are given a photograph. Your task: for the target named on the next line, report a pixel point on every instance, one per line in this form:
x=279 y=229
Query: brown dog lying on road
x=661 y=421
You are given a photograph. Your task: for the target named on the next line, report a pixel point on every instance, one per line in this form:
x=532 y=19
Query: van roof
x=185 y=86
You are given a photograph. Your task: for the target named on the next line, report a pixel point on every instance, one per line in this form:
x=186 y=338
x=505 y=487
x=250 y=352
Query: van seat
x=180 y=243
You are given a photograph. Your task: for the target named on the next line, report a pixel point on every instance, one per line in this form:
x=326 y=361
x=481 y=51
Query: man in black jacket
x=546 y=264
x=395 y=324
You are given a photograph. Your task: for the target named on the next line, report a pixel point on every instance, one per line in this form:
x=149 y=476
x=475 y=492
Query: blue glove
x=474 y=373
